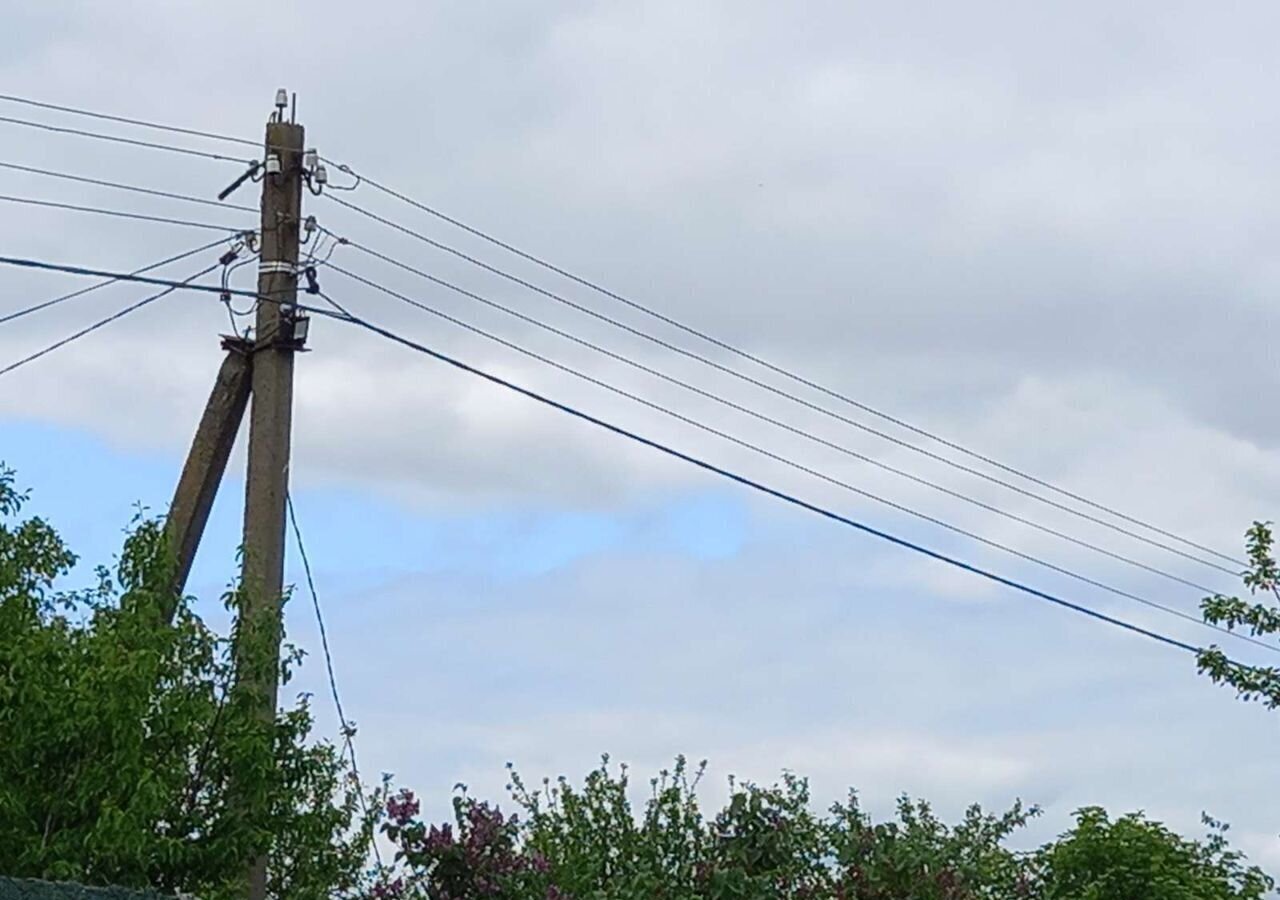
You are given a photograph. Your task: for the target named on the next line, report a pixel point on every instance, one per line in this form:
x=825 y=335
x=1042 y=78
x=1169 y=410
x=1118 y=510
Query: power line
x=101 y=322
x=545 y=264
x=797 y=378
x=176 y=285
x=621 y=299
x=807 y=435
x=126 y=276
x=765 y=489
x=125 y=187
x=790 y=463
x=348 y=730
x=173 y=285
x=127 y=121
x=116 y=139
x=166 y=220
x=773 y=389
x=142 y=123
x=101 y=284
x=604 y=292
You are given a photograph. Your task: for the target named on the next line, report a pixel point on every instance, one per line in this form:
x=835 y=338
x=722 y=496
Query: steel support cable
x=348 y=730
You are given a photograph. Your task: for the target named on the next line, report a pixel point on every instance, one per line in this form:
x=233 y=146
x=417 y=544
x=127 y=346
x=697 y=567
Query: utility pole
x=206 y=463
x=276 y=339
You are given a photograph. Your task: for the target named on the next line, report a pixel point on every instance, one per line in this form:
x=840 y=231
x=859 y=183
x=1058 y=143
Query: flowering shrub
x=767 y=843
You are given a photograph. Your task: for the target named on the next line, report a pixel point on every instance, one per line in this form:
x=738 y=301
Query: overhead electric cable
x=773 y=389
x=124 y=276
x=807 y=435
x=137 y=189
x=767 y=490
x=781 y=370
x=127 y=121
x=101 y=322
x=598 y=288
x=790 y=463
x=101 y=284
x=116 y=139
x=165 y=220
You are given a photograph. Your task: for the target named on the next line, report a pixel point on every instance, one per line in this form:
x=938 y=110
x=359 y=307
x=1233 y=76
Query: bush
x=588 y=843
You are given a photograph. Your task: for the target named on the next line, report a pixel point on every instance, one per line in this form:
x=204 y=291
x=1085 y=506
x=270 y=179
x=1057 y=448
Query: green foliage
x=34 y=889
x=1134 y=858
x=125 y=744
x=1258 y=617
x=921 y=857
x=131 y=757
x=767 y=843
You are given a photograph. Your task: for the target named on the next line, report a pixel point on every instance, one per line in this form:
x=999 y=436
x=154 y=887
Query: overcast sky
x=1046 y=233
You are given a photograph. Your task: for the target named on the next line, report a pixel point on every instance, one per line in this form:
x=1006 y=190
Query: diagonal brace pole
x=206 y=462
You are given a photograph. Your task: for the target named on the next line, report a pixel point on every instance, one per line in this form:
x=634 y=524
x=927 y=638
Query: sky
x=1041 y=231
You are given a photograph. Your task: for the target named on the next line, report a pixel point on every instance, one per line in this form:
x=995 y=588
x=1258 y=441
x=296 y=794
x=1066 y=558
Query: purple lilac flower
x=403 y=807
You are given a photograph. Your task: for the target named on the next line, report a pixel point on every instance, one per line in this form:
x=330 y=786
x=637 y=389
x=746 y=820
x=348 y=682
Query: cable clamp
x=277 y=267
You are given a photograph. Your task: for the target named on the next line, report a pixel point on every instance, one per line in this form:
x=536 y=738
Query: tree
x=767 y=843
x=1135 y=859
x=123 y=738
x=1260 y=617
x=123 y=741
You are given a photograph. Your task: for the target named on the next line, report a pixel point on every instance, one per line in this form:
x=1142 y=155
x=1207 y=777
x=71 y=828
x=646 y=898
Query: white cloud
x=1042 y=231
x=786 y=657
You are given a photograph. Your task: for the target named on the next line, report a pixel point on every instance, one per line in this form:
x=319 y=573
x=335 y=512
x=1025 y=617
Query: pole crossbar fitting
x=278 y=267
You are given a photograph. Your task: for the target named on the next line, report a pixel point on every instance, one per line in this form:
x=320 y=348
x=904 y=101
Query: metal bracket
x=293 y=337
x=278 y=266
x=237 y=344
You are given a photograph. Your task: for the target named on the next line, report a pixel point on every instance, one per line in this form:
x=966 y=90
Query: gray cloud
x=1041 y=230
x=935 y=213
x=811 y=656
x=1052 y=255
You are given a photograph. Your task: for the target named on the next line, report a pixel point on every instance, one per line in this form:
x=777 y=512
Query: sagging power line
x=116 y=139
x=783 y=371
x=345 y=314
x=759 y=416
x=760 y=487
x=120 y=214
x=800 y=467
x=701 y=334
x=773 y=389
x=116 y=185
x=119 y=314
x=259 y=369
x=62 y=298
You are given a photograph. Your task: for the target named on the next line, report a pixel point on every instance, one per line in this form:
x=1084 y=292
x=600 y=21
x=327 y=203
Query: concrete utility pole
x=276 y=339
x=206 y=463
